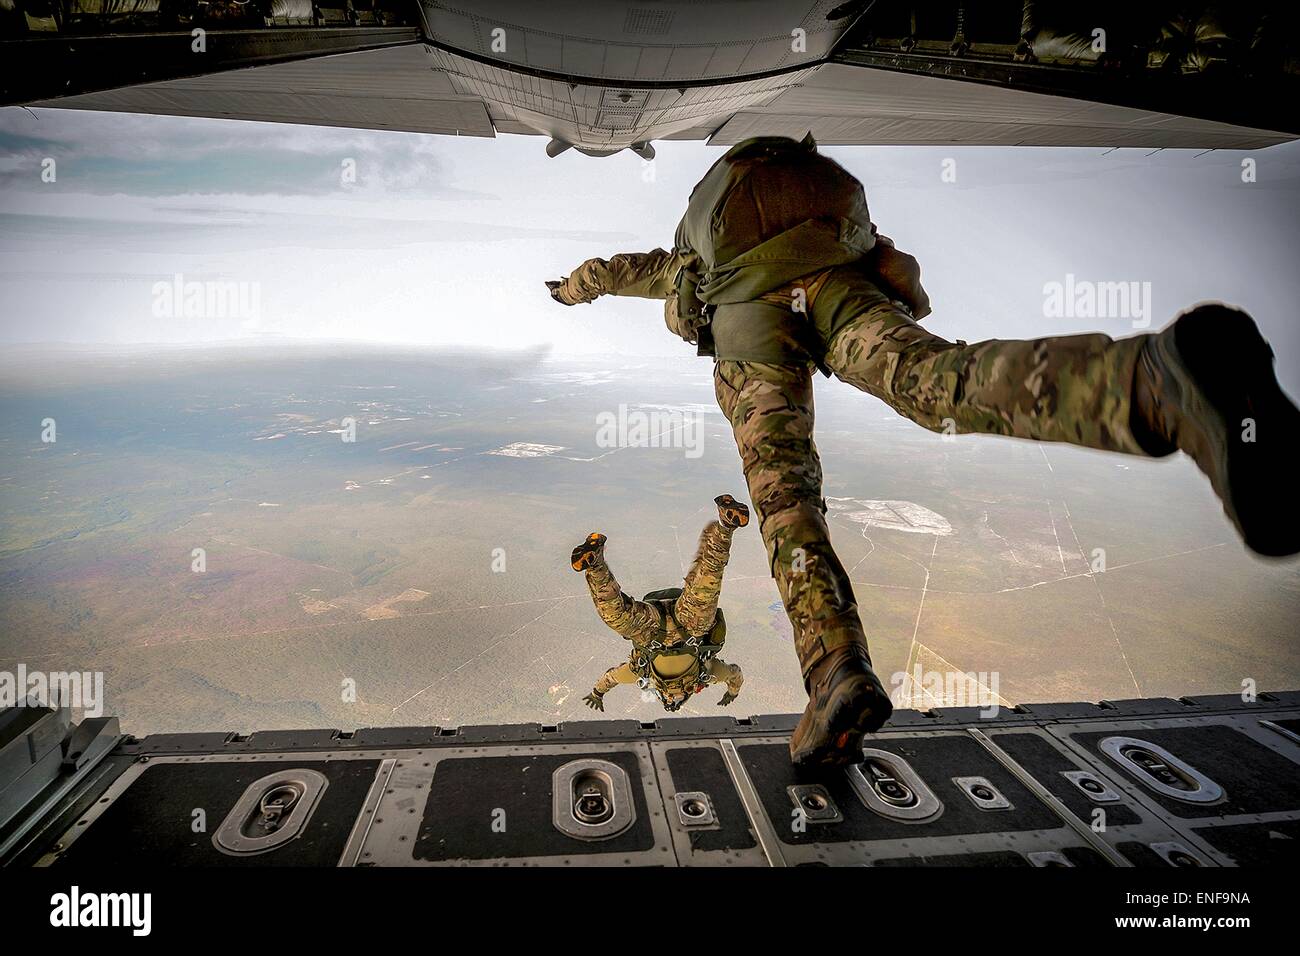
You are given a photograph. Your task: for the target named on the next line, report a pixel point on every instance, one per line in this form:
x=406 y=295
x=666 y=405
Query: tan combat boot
x=845 y=701
x=732 y=513
x=589 y=552
x=1205 y=385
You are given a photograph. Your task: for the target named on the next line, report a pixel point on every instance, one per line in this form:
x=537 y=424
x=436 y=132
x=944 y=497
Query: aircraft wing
x=604 y=77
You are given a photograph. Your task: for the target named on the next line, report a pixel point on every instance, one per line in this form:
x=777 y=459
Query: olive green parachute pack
x=704 y=647
x=771 y=210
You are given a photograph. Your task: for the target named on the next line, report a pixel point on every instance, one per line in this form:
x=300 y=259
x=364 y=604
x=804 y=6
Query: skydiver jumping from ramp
x=777 y=270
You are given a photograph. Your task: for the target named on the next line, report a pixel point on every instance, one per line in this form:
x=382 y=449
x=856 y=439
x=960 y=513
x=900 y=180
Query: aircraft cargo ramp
x=1201 y=781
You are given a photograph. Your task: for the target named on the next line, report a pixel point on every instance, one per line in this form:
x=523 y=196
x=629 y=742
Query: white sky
x=447 y=240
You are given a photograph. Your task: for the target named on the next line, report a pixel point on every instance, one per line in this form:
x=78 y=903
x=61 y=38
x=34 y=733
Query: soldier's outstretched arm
x=622 y=674
x=646 y=275
x=729 y=674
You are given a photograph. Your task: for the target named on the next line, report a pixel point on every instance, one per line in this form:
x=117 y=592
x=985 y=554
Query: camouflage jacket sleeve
x=724 y=673
x=622 y=674
x=647 y=275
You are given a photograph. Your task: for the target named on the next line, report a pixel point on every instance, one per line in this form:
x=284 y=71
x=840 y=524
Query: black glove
x=595 y=701
x=727 y=698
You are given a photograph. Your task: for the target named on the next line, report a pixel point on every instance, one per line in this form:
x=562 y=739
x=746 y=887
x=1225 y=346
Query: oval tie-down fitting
x=591 y=799
x=887 y=785
x=271 y=812
x=1159 y=770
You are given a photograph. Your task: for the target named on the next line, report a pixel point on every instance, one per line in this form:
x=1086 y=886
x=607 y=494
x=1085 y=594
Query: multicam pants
x=1072 y=389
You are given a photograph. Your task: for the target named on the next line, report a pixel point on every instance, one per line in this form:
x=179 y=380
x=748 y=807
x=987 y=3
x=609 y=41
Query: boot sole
x=584 y=555
x=853 y=715
x=731 y=504
x=1228 y=376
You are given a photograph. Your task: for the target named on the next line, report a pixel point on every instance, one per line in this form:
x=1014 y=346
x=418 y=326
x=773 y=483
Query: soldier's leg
x=1204 y=385
x=1076 y=388
x=771 y=413
x=770 y=408
x=623 y=614
x=698 y=604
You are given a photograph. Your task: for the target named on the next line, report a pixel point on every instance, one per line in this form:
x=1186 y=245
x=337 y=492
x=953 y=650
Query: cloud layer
x=397 y=237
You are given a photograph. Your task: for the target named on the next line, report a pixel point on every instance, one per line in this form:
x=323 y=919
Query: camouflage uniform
x=656 y=627
x=1060 y=389
x=839 y=297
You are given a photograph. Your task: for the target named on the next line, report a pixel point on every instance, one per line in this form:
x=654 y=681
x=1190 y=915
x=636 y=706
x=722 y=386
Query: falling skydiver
x=676 y=633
